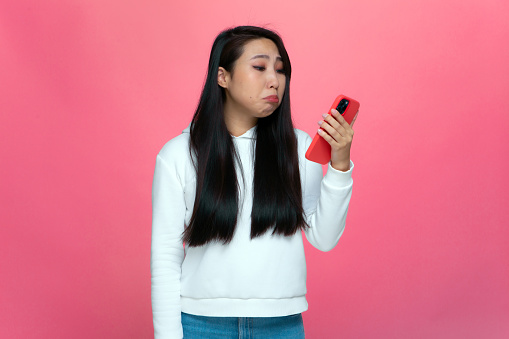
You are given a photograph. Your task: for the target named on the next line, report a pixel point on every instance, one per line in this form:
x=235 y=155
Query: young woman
x=232 y=194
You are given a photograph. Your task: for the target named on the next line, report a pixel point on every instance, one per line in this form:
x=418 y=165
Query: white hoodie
x=260 y=277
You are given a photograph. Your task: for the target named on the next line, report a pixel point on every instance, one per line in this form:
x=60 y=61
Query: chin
x=264 y=115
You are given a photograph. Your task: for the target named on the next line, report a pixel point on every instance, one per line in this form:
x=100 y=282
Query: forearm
x=327 y=220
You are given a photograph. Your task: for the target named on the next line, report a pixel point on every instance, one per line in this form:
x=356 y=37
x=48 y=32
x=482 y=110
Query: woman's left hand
x=339 y=134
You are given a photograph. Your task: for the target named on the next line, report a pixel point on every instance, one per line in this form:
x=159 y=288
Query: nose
x=272 y=81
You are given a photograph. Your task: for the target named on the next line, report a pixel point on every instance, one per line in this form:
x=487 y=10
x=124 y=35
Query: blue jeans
x=201 y=327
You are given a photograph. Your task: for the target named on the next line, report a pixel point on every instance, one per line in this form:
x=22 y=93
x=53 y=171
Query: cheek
x=241 y=91
x=249 y=87
x=281 y=89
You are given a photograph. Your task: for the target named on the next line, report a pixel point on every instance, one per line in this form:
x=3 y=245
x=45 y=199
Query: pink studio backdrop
x=91 y=90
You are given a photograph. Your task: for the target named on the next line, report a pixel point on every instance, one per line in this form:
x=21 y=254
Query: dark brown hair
x=277 y=196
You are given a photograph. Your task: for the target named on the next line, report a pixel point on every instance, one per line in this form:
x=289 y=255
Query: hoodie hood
x=249 y=134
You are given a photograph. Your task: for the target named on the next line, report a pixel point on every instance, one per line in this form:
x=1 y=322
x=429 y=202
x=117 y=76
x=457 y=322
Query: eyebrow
x=264 y=56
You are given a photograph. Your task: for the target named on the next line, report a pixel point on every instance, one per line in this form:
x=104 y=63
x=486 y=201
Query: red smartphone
x=319 y=151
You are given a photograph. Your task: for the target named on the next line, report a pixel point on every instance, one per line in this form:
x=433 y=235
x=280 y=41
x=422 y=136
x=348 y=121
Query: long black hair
x=277 y=196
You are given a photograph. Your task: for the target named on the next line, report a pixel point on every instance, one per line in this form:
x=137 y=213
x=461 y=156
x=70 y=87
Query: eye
x=259 y=68
x=281 y=71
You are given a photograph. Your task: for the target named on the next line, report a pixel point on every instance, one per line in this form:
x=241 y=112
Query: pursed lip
x=272 y=98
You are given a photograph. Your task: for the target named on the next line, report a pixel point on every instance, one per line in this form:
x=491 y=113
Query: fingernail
x=324 y=115
x=320 y=122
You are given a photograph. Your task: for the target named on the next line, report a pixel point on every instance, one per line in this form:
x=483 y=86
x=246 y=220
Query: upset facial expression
x=255 y=87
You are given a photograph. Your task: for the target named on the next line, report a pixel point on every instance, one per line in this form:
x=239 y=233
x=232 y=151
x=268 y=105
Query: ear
x=223 y=77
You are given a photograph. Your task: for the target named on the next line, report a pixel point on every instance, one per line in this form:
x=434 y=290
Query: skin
x=257 y=74
x=339 y=134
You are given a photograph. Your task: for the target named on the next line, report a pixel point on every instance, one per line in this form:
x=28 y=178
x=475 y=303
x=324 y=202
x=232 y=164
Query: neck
x=238 y=123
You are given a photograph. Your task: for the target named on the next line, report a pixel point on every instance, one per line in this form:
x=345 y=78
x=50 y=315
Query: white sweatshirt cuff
x=338 y=178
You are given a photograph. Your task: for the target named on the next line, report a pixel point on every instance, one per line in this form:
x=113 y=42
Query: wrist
x=342 y=166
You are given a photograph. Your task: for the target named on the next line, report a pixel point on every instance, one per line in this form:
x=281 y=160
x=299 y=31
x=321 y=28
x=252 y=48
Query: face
x=255 y=87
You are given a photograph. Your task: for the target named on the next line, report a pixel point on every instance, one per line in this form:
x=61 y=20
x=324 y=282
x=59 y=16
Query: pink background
x=90 y=90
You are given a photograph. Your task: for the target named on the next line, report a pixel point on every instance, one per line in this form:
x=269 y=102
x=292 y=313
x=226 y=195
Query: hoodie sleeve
x=167 y=251
x=325 y=201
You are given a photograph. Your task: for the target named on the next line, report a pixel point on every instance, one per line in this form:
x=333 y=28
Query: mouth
x=272 y=98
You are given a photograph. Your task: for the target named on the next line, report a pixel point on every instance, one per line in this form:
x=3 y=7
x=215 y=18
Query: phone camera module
x=343 y=104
